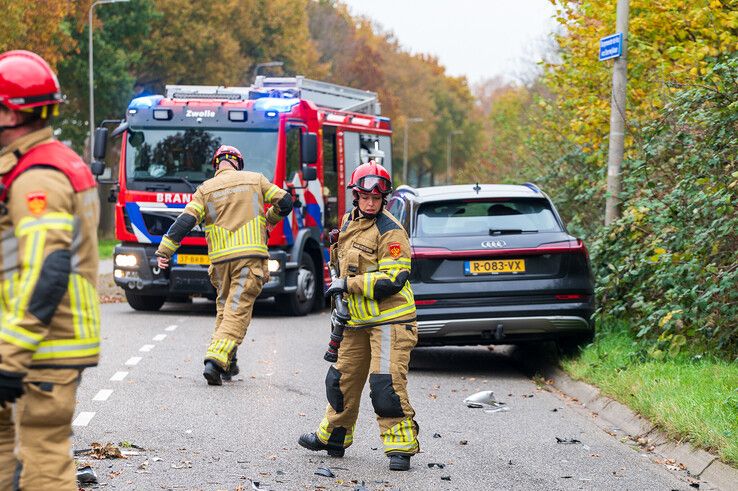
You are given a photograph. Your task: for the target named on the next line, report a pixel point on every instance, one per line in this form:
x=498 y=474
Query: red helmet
x=27 y=82
x=227 y=152
x=371 y=178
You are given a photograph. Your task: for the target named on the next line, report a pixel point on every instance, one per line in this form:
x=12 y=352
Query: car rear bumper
x=507 y=325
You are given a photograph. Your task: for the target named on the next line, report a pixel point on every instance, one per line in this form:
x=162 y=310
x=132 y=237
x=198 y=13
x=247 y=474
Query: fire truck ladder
x=324 y=94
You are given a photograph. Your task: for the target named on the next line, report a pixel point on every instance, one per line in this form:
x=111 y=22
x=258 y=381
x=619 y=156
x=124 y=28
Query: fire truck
x=304 y=135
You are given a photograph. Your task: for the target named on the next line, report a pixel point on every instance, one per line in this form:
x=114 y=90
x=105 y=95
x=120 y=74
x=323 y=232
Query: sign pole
x=617 y=118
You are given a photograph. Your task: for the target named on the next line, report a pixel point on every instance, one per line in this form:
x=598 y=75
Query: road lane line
x=160 y=337
x=132 y=361
x=146 y=347
x=103 y=395
x=118 y=376
x=83 y=419
x=171 y=328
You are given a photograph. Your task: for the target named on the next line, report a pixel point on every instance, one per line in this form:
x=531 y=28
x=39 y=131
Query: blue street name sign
x=611 y=47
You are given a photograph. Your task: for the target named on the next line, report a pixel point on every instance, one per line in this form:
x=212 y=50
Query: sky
x=477 y=38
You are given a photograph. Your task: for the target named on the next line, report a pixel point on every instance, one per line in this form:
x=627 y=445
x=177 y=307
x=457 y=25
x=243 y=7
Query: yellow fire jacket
x=231 y=204
x=374 y=255
x=48 y=260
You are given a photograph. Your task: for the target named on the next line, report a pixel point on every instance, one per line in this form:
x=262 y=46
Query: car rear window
x=485 y=217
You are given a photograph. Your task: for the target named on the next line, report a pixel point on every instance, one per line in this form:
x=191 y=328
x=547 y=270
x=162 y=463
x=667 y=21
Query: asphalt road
x=148 y=391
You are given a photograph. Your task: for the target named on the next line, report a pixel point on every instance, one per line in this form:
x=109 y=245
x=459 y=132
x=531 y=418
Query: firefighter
x=49 y=311
x=231 y=204
x=372 y=256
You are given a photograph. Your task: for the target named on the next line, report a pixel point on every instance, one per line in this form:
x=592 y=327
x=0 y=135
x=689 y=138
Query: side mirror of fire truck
x=309 y=173
x=98 y=153
x=309 y=145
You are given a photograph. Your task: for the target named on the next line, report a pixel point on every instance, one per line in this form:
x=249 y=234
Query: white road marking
x=83 y=419
x=103 y=395
x=133 y=361
x=146 y=347
x=118 y=376
x=171 y=328
x=160 y=337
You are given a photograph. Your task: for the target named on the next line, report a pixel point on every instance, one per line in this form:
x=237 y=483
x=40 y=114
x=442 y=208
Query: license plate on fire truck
x=494 y=266
x=192 y=259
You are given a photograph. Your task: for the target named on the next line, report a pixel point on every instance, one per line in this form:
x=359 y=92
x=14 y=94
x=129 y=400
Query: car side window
x=396 y=207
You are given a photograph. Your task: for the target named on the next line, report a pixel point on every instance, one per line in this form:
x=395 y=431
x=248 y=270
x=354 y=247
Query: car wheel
x=146 y=303
x=301 y=301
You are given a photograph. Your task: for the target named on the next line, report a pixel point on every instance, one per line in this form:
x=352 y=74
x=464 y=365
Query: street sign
x=611 y=47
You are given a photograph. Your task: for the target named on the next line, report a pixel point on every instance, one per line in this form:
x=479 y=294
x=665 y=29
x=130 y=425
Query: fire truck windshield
x=184 y=155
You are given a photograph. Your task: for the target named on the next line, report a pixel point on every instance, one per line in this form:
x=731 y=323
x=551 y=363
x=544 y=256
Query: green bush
x=669 y=266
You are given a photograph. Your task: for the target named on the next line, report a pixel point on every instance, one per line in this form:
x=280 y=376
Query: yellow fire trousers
x=383 y=354
x=36 y=433
x=238 y=283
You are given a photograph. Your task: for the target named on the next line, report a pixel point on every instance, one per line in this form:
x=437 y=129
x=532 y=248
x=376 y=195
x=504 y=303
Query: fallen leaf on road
x=325 y=472
x=432 y=396
x=100 y=451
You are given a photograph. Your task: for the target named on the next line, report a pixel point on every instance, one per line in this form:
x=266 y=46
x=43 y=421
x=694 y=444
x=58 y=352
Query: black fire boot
x=232 y=371
x=312 y=442
x=212 y=373
x=399 y=462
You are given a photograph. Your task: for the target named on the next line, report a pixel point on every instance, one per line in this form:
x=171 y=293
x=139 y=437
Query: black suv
x=494 y=264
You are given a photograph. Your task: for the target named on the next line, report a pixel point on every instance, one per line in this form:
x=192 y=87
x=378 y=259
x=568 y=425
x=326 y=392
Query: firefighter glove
x=11 y=387
x=337 y=286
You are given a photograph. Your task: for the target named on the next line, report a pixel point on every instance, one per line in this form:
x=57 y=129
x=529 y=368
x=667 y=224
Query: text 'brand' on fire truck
x=304 y=135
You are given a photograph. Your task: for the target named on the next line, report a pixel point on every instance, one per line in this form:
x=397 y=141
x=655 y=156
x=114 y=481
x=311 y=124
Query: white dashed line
x=133 y=361
x=83 y=419
x=160 y=337
x=171 y=328
x=146 y=347
x=118 y=376
x=103 y=395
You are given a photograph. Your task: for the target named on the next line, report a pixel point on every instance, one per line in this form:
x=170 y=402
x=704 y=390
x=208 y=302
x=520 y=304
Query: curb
x=699 y=463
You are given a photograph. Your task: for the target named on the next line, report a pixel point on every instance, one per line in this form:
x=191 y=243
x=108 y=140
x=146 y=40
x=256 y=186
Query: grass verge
x=105 y=248
x=690 y=398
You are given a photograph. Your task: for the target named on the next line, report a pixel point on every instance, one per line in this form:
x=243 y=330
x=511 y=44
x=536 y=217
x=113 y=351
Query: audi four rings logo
x=493 y=244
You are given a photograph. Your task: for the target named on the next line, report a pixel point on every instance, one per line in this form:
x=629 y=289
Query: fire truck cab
x=304 y=135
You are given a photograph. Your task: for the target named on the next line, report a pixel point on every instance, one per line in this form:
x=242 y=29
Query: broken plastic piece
x=567 y=440
x=361 y=487
x=446 y=478
x=85 y=475
x=431 y=465
x=436 y=435
x=325 y=472
x=486 y=400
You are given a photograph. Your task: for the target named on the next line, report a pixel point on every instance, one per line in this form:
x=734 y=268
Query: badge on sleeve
x=36 y=202
x=395 y=249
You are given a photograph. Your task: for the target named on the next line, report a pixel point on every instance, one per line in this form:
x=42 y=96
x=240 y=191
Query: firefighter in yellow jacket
x=50 y=317
x=372 y=256
x=232 y=206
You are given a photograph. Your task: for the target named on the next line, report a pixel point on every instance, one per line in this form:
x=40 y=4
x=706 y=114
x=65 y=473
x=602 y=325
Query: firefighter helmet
x=27 y=82
x=227 y=152
x=371 y=178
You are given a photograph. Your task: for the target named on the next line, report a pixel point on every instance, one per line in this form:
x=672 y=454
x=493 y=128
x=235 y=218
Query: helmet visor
x=369 y=183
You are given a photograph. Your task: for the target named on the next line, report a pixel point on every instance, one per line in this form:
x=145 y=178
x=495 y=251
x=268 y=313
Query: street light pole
x=617 y=118
x=91 y=76
x=448 y=154
x=404 y=147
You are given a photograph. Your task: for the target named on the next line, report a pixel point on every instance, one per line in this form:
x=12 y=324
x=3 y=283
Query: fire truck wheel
x=302 y=300
x=145 y=302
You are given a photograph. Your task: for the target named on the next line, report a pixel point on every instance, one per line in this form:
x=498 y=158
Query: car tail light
x=425 y=302
x=570 y=296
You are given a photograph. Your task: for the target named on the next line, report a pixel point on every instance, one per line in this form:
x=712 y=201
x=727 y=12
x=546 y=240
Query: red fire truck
x=304 y=135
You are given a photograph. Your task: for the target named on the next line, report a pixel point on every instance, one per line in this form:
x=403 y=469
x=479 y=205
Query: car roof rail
x=404 y=188
x=533 y=187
